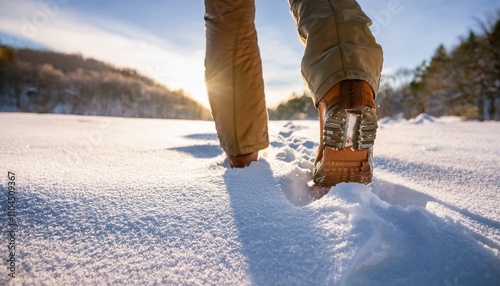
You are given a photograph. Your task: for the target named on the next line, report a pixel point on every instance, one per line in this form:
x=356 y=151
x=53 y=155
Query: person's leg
x=338 y=44
x=341 y=67
x=233 y=75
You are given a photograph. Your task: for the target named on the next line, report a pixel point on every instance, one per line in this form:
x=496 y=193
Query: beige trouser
x=338 y=46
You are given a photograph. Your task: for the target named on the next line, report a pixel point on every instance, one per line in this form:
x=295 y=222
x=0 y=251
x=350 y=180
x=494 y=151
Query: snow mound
x=423 y=118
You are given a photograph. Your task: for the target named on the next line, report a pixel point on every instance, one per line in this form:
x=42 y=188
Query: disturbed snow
x=143 y=202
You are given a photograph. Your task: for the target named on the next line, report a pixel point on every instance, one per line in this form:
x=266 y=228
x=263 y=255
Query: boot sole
x=348 y=136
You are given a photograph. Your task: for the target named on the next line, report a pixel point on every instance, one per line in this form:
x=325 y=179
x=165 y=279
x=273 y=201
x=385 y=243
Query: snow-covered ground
x=150 y=202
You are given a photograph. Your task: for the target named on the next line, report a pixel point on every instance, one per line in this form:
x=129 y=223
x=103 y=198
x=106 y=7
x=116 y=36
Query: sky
x=166 y=39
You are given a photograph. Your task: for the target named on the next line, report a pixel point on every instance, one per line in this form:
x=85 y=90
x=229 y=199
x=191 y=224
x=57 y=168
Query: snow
x=119 y=201
x=423 y=119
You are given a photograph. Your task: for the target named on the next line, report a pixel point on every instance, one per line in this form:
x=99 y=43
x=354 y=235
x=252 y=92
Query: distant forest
x=49 y=82
x=464 y=81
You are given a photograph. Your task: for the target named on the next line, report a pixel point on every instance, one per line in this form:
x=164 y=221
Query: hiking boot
x=243 y=160
x=348 y=124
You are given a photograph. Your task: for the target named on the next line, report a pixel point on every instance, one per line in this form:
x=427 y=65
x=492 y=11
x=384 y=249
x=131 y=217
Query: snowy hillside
x=151 y=202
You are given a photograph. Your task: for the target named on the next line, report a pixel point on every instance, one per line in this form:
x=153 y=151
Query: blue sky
x=166 y=39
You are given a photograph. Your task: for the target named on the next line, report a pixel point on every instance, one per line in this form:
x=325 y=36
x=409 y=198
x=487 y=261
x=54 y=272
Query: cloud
x=111 y=41
x=177 y=64
x=178 y=67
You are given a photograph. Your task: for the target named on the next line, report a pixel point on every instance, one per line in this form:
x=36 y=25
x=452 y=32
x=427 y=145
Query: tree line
x=50 y=82
x=464 y=81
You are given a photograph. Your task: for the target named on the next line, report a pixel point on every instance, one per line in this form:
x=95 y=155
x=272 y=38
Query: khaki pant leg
x=339 y=44
x=233 y=75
